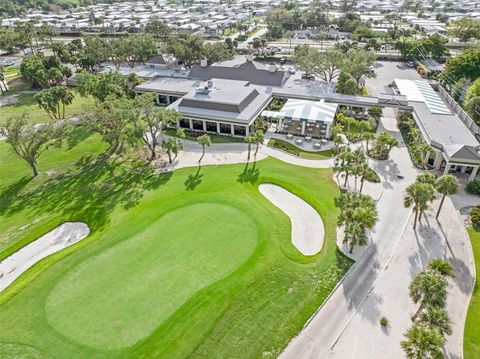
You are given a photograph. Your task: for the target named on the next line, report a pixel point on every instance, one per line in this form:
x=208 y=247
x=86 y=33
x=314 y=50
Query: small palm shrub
x=384 y=321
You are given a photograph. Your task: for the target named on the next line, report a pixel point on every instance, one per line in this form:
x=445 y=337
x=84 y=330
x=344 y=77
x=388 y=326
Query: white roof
x=311 y=111
x=421 y=91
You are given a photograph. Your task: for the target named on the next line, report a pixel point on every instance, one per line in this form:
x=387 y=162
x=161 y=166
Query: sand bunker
x=307 y=225
x=61 y=237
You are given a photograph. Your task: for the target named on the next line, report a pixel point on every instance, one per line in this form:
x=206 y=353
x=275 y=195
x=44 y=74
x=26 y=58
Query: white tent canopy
x=310 y=111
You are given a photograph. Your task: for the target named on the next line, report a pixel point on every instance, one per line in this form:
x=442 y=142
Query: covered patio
x=305 y=118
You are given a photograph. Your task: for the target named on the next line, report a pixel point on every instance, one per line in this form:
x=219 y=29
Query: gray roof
x=158 y=59
x=249 y=71
x=439 y=126
x=227 y=100
x=169 y=85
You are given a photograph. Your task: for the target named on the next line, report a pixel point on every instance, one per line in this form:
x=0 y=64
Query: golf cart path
x=307 y=225
x=61 y=237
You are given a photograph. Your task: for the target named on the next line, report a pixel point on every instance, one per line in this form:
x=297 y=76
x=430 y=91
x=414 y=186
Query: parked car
x=283 y=60
x=8 y=63
x=371 y=69
x=410 y=64
x=306 y=76
x=291 y=70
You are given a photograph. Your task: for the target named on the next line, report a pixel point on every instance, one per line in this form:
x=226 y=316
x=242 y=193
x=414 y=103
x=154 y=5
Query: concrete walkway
x=307 y=225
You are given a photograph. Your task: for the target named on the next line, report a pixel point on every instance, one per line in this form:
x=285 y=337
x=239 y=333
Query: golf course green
x=193 y=263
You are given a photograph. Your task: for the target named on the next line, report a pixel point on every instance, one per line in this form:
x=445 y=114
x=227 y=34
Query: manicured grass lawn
x=297 y=151
x=11 y=70
x=192 y=136
x=26 y=104
x=194 y=263
x=471 y=342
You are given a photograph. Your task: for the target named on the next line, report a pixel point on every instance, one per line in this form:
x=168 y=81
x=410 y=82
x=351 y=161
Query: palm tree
x=422 y=342
x=436 y=318
x=357 y=214
x=426 y=178
x=418 y=195
x=249 y=140
x=429 y=288
x=445 y=185
x=66 y=98
x=168 y=147
x=368 y=136
x=346 y=158
x=205 y=141
x=259 y=138
x=442 y=267
x=364 y=172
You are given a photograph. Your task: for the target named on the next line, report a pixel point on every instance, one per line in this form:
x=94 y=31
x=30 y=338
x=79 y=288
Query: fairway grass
x=471 y=342
x=27 y=104
x=194 y=263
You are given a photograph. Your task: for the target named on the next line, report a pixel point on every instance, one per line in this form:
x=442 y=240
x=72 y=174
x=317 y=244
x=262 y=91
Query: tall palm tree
x=429 y=288
x=205 y=141
x=418 y=195
x=436 y=318
x=249 y=140
x=422 y=342
x=66 y=98
x=259 y=138
x=364 y=171
x=445 y=185
x=368 y=136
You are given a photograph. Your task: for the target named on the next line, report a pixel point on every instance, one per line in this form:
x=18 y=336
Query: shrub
x=384 y=321
x=375 y=112
x=475 y=216
x=473 y=187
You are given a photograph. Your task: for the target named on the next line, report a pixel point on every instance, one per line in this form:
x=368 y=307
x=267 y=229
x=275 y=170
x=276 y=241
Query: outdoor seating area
x=306 y=143
x=312 y=130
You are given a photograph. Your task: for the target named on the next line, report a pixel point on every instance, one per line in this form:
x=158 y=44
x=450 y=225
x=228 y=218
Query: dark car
x=306 y=76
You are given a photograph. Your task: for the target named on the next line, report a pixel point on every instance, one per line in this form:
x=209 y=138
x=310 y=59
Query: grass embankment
x=27 y=104
x=193 y=136
x=297 y=151
x=194 y=263
x=471 y=342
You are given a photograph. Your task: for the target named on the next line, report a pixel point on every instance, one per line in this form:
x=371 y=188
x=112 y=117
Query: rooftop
x=439 y=126
x=235 y=101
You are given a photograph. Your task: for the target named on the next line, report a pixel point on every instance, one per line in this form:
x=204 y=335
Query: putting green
x=122 y=294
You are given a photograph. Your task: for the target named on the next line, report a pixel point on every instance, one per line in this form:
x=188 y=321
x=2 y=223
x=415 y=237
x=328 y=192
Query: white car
x=8 y=63
x=291 y=70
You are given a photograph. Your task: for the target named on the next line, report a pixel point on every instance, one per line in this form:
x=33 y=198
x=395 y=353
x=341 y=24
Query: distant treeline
x=19 y=7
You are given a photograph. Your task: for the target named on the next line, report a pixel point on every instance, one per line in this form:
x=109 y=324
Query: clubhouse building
x=227 y=99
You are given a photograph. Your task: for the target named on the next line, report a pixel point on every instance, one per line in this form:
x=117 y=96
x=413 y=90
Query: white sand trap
x=307 y=225
x=61 y=237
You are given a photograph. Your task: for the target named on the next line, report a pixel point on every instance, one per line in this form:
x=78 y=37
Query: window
x=240 y=130
x=163 y=99
x=211 y=126
x=197 y=125
x=226 y=128
x=184 y=123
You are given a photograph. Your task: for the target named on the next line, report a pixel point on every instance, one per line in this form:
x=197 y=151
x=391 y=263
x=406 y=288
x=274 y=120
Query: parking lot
x=386 y=72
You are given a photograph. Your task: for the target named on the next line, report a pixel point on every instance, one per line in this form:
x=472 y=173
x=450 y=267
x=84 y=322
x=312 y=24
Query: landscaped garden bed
x=296 y=151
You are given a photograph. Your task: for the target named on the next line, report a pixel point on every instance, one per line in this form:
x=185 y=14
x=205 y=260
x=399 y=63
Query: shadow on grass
x=249 y=175
x=194 y=180
x=76 y=135
x=89 y=194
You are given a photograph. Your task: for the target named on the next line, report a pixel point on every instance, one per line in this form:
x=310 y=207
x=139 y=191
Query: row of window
x=223 y=128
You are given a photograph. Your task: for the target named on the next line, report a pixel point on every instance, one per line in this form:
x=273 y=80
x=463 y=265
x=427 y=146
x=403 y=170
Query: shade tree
x=29 y=141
